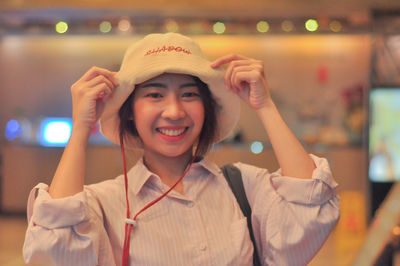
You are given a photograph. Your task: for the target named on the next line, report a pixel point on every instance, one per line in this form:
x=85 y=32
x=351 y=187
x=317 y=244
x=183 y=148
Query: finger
x=243 y=80
x=226 y=59
x=233 y=65
x=99 y=91
x=241 y=84
x=109 y=75
x=115 y=79
x=95 y=71
x=239 y=72
x=246 y=69
x=100 y=79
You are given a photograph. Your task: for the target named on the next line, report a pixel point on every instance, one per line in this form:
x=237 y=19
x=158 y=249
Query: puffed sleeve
x=291 y=217
x=65 y=231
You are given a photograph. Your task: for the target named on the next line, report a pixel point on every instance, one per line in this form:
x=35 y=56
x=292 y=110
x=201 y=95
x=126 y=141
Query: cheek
x=139 y=115
x=200 y=115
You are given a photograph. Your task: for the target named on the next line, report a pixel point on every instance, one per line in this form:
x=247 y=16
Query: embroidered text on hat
x=170 y=48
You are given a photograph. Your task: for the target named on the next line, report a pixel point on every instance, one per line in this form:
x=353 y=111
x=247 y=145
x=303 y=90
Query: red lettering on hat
x=170 y=48
x=150 y=52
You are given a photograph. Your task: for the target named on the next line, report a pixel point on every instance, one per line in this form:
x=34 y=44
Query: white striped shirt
x=291 y=219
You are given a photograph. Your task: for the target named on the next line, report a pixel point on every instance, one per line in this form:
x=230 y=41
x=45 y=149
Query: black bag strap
x=234 y=178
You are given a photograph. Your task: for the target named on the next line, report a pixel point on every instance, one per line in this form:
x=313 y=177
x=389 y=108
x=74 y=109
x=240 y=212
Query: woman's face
x=169 y=114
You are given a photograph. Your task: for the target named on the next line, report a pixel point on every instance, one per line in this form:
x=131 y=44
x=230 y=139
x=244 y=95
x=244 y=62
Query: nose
x=173 y=109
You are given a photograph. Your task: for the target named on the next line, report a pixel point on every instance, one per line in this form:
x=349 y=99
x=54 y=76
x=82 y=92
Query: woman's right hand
x=89 y=94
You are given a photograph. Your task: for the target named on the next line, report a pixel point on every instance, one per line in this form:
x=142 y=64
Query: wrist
x=266 y=106
x=80 y=135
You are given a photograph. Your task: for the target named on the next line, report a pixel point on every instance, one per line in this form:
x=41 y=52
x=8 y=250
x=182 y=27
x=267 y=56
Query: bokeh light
x=219 y=27
x=262 y=26
x=335 y=26
x=171 y=26
x=124 y=25
x=105 y=27
x=256 y=147
x=55 y=132
x=287 y=26
x=61 y=27
x=311 y=25
x=13 y=130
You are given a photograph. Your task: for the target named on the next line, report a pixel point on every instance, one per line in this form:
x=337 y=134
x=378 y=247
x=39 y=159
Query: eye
x=154 y=95
x=190 y=94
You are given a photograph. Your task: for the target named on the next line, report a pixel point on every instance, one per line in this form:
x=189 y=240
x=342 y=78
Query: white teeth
x=171 y=132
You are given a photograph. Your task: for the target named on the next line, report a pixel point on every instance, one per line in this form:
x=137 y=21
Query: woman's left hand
x=245 y=77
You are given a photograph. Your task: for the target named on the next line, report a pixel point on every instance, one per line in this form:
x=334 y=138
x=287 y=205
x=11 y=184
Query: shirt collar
x=210 y=166
x=140 y=174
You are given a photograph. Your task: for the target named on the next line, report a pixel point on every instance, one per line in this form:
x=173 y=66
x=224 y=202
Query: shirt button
x=190 y=204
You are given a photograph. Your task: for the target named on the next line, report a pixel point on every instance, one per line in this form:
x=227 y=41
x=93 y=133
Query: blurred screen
x=384 y=135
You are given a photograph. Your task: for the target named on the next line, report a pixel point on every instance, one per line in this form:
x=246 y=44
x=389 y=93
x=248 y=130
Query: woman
x=174 y=207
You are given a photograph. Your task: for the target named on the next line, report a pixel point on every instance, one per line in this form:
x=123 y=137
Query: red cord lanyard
x=129 y=223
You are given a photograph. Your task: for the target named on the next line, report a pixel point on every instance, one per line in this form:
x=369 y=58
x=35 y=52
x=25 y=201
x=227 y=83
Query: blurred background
x=333 y=68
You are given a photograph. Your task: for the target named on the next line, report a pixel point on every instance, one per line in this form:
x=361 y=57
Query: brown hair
x=208 y=132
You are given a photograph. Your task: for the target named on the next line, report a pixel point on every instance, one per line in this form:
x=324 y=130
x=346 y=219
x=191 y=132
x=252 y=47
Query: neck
x=169 y=169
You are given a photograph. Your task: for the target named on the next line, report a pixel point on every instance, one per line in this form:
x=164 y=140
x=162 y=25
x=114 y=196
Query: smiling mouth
x=171 y=132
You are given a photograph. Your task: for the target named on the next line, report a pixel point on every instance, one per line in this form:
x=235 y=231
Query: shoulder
x=251 y=172
x=255 y=180
x=105 y=188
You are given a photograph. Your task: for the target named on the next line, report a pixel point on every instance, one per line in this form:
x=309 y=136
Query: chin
x=173 y=153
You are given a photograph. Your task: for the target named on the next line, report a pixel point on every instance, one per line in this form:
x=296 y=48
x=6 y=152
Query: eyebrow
x=162 y=85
